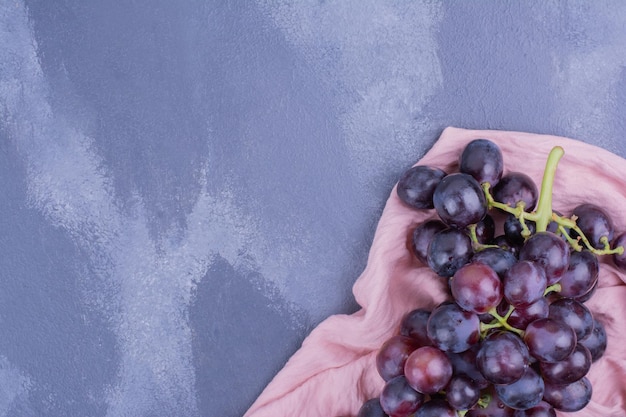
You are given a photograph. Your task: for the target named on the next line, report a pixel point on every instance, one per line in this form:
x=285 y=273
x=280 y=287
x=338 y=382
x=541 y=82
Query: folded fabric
x=334 y=371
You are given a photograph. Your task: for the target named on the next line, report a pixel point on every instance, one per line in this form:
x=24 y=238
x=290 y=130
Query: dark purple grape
x=498 y=259
x=570 y=397
x=476 y=287
x=462 y=392
x=515 y=187
x=502 y=357
x=548 y=251
x=422 y=236
x=413 y=325
x=574 y=314
x=393 y=354
x=596 y=342
x=523 y=316
x=435 y=408
x=513 y=230
x=543 y=409
x=464 y=363
x=452 y=329
x=371 y=408
x=398 y=399
x=428 y=370
x=449 y=250
x=524 y=393
x=620 y=260
x=586 y=297
x=485 y=230
x=459 y=200
x=495 y=408
x=550 y=340
x=417 y=185
x=482 y=159
x=581 y=274
x=504 y=244
x=524 y=283
x=595 y=223
x=570 y=369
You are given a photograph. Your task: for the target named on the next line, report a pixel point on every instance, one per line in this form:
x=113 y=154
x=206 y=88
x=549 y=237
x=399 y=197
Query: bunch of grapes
x=515 y=337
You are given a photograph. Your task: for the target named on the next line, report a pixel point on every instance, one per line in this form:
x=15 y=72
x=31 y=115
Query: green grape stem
x=544 y=214
x=500 y=321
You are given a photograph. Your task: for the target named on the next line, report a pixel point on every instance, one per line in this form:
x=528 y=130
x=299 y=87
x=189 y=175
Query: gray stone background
x=189 y=187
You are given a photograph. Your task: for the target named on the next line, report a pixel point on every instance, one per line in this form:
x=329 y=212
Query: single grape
x=393 y=354
x=569 y=397
x=422 y=236
x=581 y=274
x=485 y=230
x=550 y=340
x=398 y=399
x=498 y=259
x=620 y=260
x=449 y=250
x=464 y=363
x=413 y=325
x=548 y=251
x=596 y=342
x=428 y=370
x=417 y=185
x=543 y=409
x=570 y=369
x=515 y=187
x=435 y=408
x=459 y=200
x=502 y=357
x=524 y=393
x=523 y=316
x=524 y=283
x=501 y=242
x=476 y=287
x=462 y=392
x=574 y=314
x=595 y=223
x=513 y=230
x=482 y=159
x=371 y=408
x=452 y=329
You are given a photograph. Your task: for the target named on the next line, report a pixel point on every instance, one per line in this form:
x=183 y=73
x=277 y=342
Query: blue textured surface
x=189 y=187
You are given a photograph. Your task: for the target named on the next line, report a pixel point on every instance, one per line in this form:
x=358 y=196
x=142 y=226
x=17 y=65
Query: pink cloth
x=334 y=371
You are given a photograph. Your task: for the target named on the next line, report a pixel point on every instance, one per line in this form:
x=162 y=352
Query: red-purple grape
x=428 y=370
x=498 y=259
x=449 y=250
x=543 y=409
x=459 y=200
x=372 y=408
x=570 y=369
x=595 y=223
x=413 y=325
x=523 y=316
x=452 y=329
x=524 y=393
x=417 y=185
x=581 y=274
x=476 y=287
x=570 y=397
x=435 y=408
x=482 y=159
x=550 y=340
x=398 y=399
x=596 y=342
x=462 y=392
x=524 y=283
x=502 y=358
x=515 y=187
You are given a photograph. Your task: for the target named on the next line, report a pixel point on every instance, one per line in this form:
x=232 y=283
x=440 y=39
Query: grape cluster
x=515 y=337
